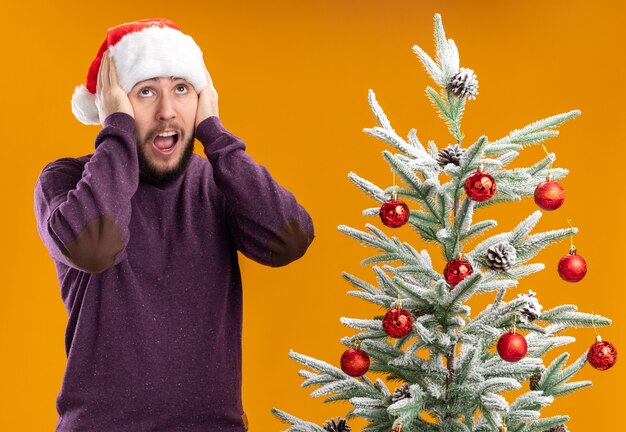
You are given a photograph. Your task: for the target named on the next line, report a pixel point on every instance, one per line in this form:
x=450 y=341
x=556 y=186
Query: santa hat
x=143 y=49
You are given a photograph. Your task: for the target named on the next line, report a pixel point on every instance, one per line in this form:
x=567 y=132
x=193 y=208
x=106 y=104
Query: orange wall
x=293 y=80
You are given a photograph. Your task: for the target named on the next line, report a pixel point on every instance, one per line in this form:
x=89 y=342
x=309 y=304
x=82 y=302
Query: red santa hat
x=143 y=49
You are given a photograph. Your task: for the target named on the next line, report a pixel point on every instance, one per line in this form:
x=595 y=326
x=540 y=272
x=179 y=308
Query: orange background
x=293 y=80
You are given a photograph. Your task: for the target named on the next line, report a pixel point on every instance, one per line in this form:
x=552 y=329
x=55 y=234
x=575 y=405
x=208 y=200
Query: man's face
x=165 y=114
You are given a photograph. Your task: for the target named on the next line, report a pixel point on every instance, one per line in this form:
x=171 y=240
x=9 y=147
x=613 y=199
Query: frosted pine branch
x=547 y=123
x=368 y=187
x=408 y=410
x=478 y=229
x=462 y=291
x=448 y=111
x=362 y=324
x=423 y=189
x=445 y=55
x=369 y=239
x=359 y=283
x=297 y=425
x=319 y=365
x=378 y=111
x=541 y=425
x=469 y=162
x=415 y=142
x=535 y=132
x=568 y=316
x=500 y=147
x=391 y=138
x=535 y=243
x=430 y=66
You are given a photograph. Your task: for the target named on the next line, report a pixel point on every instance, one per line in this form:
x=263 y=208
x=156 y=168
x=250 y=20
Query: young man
x=144 y=235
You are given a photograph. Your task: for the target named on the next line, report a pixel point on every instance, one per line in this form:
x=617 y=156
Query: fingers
x=103 y=74
x=110 y=97
x=102 y=87
x=113 y=72
x=106 y=74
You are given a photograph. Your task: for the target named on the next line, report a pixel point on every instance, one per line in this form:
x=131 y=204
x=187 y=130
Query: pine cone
x=401 y=392
x=501 y=256
x=531 y=310
x=464 y=84
x=559 y=428
x=451 y=154
x=534 y=381
x=339 y=426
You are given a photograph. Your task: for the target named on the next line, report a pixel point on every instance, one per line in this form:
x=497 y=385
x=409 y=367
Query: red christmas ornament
x=457 y=270
x=512 y=346
x=480 y=186
x=549 y=195
x=394 y=213
x=398 y=322
x=572 y=267
x=602 y=355
x=355 y=362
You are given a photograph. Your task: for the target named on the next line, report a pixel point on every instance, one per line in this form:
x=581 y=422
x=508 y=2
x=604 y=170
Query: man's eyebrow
x=145 y=81
x=173 y=78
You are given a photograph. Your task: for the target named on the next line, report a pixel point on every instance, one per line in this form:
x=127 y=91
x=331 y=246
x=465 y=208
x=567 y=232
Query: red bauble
x=602 y=355
x=355 y=362
x=480 y=186
x=512 y=346
x=549 y=195
x=394 y=213
x=572 y=267
x=398 y=323
x=457 y=270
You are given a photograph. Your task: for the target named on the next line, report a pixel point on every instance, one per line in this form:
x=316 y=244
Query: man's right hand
x=110 y=97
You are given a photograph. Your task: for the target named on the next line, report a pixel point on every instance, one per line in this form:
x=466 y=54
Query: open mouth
x=165 y=143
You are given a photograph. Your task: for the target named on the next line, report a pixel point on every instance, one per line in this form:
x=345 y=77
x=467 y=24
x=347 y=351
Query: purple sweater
x=150 y=279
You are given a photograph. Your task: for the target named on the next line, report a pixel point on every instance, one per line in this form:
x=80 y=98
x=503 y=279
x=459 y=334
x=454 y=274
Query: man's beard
x=150 y=174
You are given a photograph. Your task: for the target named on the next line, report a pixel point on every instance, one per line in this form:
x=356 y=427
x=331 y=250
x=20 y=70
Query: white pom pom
x=84 y=106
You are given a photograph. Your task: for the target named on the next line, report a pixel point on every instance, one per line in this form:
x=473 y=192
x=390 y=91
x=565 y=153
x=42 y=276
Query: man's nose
x=165 y=110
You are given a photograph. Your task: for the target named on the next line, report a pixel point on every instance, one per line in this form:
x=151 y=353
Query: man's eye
x=181 y=88
x=145 y=92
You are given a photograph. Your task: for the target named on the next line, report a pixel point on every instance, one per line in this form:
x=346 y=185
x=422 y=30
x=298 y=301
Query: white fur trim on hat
x=158 y=52
x=84 y=106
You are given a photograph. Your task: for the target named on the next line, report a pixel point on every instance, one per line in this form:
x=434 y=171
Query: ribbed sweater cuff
x=209 y=130
x=120 y=120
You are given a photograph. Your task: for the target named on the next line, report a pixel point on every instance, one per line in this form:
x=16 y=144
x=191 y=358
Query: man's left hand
x=207 y=101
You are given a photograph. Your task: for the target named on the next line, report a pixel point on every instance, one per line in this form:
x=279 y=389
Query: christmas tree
x=452 y=367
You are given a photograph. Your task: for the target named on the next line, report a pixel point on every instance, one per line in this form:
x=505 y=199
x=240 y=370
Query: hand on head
x=207 y=101
x=110 y=97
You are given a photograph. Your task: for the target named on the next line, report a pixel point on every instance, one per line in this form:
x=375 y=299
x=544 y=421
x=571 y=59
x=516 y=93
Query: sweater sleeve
x=83 y=211
x=266 y=222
